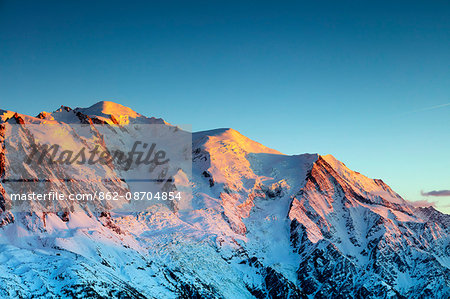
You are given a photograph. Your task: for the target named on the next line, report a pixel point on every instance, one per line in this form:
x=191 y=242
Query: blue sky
x=352 y=79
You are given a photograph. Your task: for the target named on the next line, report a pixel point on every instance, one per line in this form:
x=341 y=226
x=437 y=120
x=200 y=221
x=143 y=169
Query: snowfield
x=253 y=223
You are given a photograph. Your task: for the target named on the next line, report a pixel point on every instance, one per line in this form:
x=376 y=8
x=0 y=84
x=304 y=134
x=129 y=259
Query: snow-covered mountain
x=258 y=224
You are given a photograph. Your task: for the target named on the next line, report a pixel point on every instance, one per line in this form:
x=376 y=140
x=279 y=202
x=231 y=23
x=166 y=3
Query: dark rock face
x=2 y=151
x=65 y=108
x=275 y=284
x=207 y=175
x=382 y=252
x=189 y=290
x=2 y=174
x=6 y=218
x=18 y=119
x=84 y=119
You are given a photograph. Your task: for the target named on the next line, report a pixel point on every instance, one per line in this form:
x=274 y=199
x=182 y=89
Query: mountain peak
x=233 y=138
x=376 y=189
x=107 y=108
x=111 y=112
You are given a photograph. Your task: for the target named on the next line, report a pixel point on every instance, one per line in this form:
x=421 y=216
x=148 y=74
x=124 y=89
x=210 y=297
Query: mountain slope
x=366 y=239
x=258 y=224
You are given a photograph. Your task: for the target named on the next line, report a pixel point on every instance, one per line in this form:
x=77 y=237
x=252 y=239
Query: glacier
x=258 y=224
